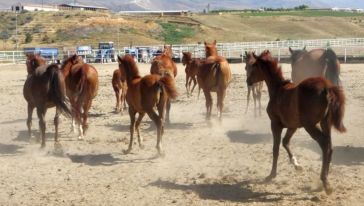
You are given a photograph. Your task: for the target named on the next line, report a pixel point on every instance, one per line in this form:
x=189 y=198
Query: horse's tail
x=333 y=67
x=58 y=91
x=169 y=85
x=336 y=108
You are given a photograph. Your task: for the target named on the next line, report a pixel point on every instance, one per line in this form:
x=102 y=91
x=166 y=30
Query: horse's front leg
x=248 y=99
x=137 y=124
x=73 y=124
x=254 y=88
x=132 y=114
x=277 y=132
x=117 y=97
x=208 y=98
x=187 y=89
x=57 y=144
x=220 y=101
x=286 y=140
x=194 y=84
x=29 y=119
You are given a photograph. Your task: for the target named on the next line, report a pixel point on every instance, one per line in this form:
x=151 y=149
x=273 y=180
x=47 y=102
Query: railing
x=343 y=47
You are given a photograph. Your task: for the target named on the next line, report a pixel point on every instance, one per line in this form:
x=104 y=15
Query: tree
x=4 y=35
x=28 y=38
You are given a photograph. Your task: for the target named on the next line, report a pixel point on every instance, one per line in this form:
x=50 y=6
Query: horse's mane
x=130 y=66
x=275 y=70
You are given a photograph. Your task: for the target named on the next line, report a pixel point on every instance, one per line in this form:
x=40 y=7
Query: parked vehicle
x=50 y=54
x=85 y=52
x=106 y=52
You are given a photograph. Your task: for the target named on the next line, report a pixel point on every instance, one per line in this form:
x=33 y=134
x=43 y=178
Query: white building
x=33 y=7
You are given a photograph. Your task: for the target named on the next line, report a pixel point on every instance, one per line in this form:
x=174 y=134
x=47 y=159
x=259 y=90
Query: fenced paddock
x=348 y=49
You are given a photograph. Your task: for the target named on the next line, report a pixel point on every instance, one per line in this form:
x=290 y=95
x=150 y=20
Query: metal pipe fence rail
x=344 y=47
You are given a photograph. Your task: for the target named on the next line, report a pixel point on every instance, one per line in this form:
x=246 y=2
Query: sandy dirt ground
x=206 y=162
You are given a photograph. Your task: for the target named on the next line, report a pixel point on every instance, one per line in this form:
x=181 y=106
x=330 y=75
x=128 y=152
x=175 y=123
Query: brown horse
x=120 y=87
x=164 y=65
x=214 y=75
x=82 y=84
x=315 y=100
x=145 y=93
x=315 y=63
x=44 y=88
x=192 y=65
x=256 y=88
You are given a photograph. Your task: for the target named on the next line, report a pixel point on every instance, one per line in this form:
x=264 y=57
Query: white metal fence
x=343 y=47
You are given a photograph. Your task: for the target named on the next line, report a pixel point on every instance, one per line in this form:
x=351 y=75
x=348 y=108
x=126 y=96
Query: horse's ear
x=254 y=55
x=170 y=46
x=119 y=59
x=290 y=50
x=214 y=42
x=205 y=43
x=246 y=53
x=304 y=48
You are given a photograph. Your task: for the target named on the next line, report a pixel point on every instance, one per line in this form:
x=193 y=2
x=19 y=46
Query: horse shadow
x=23 y=136
x=242 y=136
x=14 y=121
x=235 y=192
x=9 y=149
x=104 y=159
x=342 y=155
x=95 y=159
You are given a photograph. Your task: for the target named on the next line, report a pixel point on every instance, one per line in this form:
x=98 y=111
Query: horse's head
x=295 y=54
x=187 y=58
x=127 y=66
x=253 y=67
x=33 y=61
x=210 y=49
x=167 y=50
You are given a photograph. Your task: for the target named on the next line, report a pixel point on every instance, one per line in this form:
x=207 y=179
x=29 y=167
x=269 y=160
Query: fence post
x=279 y=54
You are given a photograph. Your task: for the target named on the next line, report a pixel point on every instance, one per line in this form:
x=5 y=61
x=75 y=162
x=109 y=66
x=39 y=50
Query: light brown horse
x=145 y=93
x=256 y=88
x=314 y=101
x=191 y=70
x=164 y=65
x=82 y=84
x=120 y=87
x=315 y=63
x=214 y=75
x=44 y=88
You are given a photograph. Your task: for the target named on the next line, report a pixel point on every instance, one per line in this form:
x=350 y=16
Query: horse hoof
x=298 y=168
x=270 y=178
x=81 y=138
x=328 y=189
x=126 y=151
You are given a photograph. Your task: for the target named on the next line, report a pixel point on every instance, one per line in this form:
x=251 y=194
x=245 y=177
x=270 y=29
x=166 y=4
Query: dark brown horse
x=191 y=70
x=82 y=84
x=313 y=101
x=214 y=75
x=145 y=93
x=164 y=65
x=120 y=87
x=315 y=63
x=44 y=88
x=256 y=88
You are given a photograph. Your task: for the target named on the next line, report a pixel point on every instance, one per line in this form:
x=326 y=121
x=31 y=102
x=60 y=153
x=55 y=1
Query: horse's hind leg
x=259 y=97
x=168 y=110
x=86 y=108
x=57 y=144
x=132 y=114
x=41 y=111
x=324 y=141
x=208 y=98
x=137 y=124
x=159 y=123
x=286 y=139
x=254 y=88
x=117 y=96
x=220 y=102
x=29 y=119
x=277 y=131
x=194 y=84
x=187 y=89
x=248 y=99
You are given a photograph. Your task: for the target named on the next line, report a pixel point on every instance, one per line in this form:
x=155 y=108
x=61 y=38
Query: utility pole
x=16 y=30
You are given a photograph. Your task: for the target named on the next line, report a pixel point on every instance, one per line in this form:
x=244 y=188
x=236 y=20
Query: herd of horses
x=314 y=100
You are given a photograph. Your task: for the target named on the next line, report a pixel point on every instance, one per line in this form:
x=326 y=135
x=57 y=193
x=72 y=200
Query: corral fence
x=347 y=49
